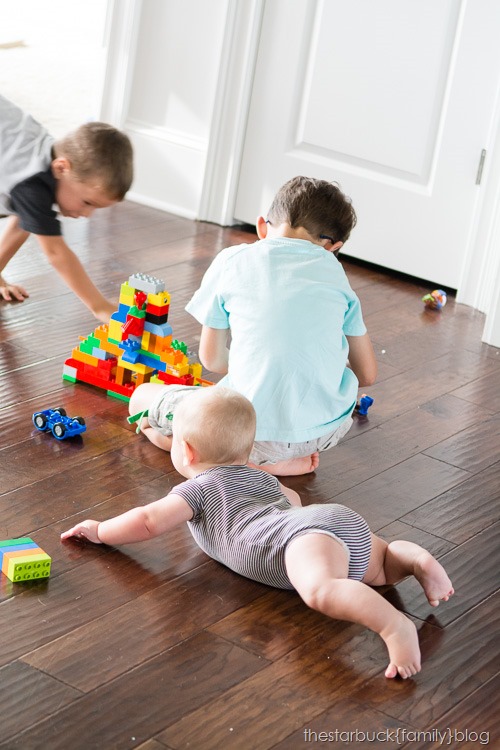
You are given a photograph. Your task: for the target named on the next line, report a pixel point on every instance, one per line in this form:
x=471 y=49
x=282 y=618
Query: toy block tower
x=137 y=346
x=23 y=560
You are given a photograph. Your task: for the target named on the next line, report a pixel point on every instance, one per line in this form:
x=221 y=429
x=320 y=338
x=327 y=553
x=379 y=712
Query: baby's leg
x=390 y=563
x=143 y=396
x=317 y=566
x=140 y=401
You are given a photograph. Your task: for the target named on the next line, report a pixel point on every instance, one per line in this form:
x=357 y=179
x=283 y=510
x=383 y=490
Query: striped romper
x=243 y=520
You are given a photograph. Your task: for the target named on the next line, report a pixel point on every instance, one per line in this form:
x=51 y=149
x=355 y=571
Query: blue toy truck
x=58 y=423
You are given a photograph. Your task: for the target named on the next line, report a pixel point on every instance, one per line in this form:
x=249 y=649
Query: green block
x=119 y=396
x=28 y=568
x=89 y=344
x=12 y=542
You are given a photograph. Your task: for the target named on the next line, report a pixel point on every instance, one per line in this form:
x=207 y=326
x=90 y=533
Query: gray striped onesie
x=243 y=520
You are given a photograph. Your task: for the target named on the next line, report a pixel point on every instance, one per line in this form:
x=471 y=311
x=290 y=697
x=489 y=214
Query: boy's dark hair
x=98 y=150
x=320 y=207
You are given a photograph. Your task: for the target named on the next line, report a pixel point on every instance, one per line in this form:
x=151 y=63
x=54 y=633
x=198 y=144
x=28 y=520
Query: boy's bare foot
x=293 y=467
x=433 y=578
x=401 y=640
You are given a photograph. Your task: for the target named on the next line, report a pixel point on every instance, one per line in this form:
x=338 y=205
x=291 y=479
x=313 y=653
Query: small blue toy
x=58 y=423
x=363 y=405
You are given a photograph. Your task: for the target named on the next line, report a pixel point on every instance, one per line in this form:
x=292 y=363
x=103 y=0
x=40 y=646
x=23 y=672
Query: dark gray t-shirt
x=32 y=200
x=25 y=158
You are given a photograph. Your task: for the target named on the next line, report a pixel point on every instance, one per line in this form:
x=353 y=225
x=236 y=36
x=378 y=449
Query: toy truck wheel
x=40 y=421
x=59 y=430
x=80 y=420
x=61 y=410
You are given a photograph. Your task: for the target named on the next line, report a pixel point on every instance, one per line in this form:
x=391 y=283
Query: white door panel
x=393 y=99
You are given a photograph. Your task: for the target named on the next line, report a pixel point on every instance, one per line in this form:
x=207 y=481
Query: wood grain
x=153 y=645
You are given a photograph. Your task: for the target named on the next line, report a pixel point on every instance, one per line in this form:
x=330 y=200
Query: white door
x=394 y=99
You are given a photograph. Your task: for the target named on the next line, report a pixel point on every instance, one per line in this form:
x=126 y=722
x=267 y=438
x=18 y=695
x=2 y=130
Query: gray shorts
x=270 y=452
x=161 y=412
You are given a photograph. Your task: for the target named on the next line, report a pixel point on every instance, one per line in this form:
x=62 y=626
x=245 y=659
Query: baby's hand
x=11 y=292
x=84 y=530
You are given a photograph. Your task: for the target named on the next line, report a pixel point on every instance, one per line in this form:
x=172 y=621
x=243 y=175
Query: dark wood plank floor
x=156 y=646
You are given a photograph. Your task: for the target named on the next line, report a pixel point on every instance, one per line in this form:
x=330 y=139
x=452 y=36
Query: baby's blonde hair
x=218 y=423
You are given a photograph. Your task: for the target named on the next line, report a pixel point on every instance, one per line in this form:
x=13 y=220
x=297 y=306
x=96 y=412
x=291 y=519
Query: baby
x=245 y=519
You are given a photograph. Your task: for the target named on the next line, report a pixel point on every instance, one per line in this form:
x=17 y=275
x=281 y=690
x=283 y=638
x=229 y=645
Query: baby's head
x=94 y=168
x=320 y=207
x=218 y=424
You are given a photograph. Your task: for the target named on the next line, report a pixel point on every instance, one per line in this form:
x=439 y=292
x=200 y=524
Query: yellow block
x=115 y=330
x=146 y=340
x=195 y=370
x=135 y=367
x=159 y=299
x=126 y=294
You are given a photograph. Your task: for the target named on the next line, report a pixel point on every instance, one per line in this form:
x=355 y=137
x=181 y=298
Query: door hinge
x=480 y=167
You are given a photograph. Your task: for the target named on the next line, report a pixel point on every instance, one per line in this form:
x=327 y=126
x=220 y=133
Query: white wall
x=164 y=62
x=179 y=78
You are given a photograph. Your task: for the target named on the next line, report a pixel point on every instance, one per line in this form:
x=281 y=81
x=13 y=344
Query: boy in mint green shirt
x=299 y=348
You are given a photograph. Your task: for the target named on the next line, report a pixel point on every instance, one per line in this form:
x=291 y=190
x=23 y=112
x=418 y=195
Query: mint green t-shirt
x=289 y=307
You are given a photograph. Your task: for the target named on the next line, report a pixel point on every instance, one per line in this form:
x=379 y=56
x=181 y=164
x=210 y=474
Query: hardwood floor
x=156 y=646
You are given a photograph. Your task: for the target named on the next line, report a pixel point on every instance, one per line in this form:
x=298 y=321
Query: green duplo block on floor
x=22 y=559
x=26 y=567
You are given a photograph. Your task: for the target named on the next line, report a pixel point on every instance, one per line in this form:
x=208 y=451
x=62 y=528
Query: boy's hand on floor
x=12 y=292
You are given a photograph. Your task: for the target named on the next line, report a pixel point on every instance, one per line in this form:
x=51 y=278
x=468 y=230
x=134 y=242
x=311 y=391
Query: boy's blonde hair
x=320 y=207
x=218 y=423
x=98 y=151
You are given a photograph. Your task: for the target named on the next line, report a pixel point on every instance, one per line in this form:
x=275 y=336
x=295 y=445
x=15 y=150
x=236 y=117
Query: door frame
x=480 y=283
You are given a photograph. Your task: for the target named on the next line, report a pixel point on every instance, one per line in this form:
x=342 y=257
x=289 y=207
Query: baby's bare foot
x=401 y=640
x=433 y=578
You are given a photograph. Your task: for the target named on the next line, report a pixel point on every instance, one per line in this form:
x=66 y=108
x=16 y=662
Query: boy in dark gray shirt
x=88 y=169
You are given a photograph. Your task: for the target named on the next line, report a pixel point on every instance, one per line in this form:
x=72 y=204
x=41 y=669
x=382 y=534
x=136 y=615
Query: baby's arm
x=213 y=351
x=136 y=525
x=362 y=359
x=292 y=496
x=12 y=239
x=68 y=266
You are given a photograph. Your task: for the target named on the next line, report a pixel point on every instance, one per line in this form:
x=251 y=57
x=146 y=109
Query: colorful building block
x=146 y=283
x=23 y=560
x=136 y=347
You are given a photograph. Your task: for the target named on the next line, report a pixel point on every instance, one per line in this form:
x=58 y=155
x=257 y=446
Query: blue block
x=156 y=364
x=163 y=330
x=16 y=548
x=100 y=353
x=121 y=314
x=131 y=351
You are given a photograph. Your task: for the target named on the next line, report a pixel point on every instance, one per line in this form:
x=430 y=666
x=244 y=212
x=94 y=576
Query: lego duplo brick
x=22 y=559
x=19 y=540
x=16 y=545
x=140 y=355
x=26 y=567
x=146 y=283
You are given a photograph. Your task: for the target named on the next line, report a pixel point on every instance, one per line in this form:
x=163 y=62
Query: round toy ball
x=435 y=300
